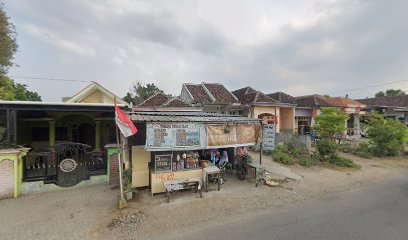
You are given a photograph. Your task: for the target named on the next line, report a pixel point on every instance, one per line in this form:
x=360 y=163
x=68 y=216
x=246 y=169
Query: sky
x=296 y=46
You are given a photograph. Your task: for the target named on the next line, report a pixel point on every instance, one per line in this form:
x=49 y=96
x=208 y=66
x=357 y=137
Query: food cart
x=179 y=145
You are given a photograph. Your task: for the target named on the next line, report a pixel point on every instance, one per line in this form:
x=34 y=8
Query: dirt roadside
x=90 y=212
x=237 y=198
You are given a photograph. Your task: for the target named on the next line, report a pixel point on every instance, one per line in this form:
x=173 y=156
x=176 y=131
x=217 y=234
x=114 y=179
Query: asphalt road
x=378 y=211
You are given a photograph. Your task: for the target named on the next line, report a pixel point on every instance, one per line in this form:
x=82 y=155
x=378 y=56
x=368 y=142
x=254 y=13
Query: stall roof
x=189 y=117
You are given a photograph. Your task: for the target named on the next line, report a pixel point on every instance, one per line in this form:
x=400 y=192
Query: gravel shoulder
x=90 y=213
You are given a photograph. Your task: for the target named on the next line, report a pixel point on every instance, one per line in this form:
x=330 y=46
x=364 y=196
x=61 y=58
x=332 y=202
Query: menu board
x=268 y=137
x=170 y=135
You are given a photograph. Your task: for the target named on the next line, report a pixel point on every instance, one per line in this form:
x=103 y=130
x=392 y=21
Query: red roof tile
x=198 y=93
x=155 y=101
x=391 y=101
x=176 y=102
x=248 y=95
x=220 y=93
x=283 y=97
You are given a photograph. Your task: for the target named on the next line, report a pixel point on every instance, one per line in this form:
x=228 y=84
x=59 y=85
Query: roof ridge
x=188 y=91
x=208 y=92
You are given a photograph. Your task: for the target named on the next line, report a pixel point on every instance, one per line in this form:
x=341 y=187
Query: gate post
x=11 y=177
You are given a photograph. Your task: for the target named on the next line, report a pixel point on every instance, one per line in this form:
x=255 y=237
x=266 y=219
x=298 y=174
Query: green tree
x=390 y=92
x=8 y=47
x=21 y=93
x=388 y=136
x=330 y=123
x=140 y=92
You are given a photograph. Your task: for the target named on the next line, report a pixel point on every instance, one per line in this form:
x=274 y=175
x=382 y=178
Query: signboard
x=173 y=135
x=268 y=137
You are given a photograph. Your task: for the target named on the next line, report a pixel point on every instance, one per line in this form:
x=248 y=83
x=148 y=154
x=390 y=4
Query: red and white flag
x=126 y=126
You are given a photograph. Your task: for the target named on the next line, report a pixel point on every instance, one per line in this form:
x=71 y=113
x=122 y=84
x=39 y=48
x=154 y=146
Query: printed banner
x=172 y=135
x=248 y=133
x=221 y=135
x=268 y=137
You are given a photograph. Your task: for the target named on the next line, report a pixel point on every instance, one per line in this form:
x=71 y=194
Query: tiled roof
x=312 y=101
x=283 y=97
x=342 y=102
x=176 y=102
x=321 y=101
x=198 y=93
x=391 y=101
x=248 y=95
x=162 y=100
x=220 y=93
x=156 y=100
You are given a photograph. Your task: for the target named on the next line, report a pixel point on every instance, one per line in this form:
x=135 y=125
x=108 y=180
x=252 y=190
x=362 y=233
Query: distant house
x=395 y=107
x=256 y=104
x=212 y=97
x=94 y=93
x=308 y=107
x=163 y=102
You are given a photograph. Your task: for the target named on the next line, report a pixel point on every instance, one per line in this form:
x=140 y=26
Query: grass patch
x=308 y=161
x=343 y=162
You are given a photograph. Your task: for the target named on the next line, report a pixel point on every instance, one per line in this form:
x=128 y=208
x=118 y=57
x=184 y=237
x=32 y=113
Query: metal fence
x=297 y=140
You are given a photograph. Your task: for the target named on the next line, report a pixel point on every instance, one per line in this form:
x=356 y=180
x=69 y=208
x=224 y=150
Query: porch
x=65 y=140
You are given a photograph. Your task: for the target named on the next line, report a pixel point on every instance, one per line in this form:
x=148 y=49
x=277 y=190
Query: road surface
x=378 y=211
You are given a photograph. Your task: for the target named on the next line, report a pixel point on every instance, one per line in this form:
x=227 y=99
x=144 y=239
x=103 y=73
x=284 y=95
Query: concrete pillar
x=97 y=135
x=51 y=126
x=356 y=124
x=345 y=124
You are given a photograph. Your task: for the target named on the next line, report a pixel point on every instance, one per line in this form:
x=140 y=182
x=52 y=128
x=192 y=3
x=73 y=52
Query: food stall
x=177 y=145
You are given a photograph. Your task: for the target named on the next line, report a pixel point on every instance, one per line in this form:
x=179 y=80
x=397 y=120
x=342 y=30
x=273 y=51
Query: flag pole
x=122 y=202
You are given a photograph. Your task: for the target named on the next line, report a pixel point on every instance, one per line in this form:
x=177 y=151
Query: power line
x=371 y=86
x=51 y=79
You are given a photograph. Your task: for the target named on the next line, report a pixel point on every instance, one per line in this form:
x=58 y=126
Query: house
x=161 y=102
x=212 y=97
x=67 y=142
x=256 y=104
x=395 y=107
x=94 y=93
x=308 y=107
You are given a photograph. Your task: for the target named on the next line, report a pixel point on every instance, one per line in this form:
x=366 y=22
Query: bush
x=363 y=150
x=343 y=162
x=281 y=155
x=326 y=148
x=388 y=136
x=346 y=147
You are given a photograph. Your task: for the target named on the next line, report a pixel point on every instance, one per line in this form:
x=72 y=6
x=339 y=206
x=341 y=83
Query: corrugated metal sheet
x=188 y=117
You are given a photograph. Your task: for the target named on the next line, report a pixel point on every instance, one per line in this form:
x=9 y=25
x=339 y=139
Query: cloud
x=301 y=47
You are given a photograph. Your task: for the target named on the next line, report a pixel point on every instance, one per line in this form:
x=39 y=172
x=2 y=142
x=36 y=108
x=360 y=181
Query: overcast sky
x=299 y=47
